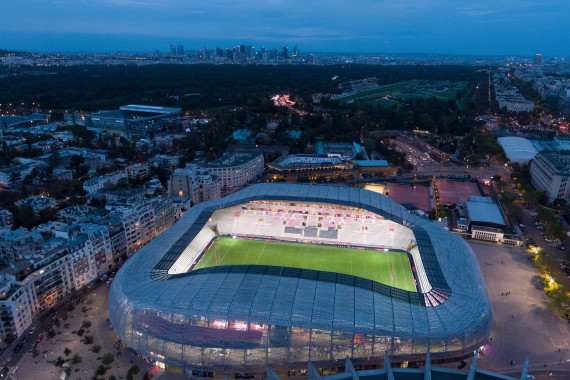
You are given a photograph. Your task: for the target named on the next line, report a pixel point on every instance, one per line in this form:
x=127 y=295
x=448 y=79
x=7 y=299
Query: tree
x=76 y=161
x=51 y=333
x=82 y=135
x=88 y=339
x=133 y=372
x=107 y=358
x=96 y=348
x=59 y=361
x=122 y=183
x=86 y=324
x=542 y=197
x=26 y=216
x=514 y=212
x=67 y=351
x=559 y=203
x=556 y=231
x=161 y=173
x=76 y=359
x=146 y=376
x=47 y=214
x=10 y=338
x=545 y=216
x=530 y=197
x=101 y=370
x=54 y=159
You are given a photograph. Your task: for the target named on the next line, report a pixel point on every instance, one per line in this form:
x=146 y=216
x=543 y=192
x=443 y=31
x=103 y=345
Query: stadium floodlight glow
x=194 y=291
x=242 y=326
x=219 y=324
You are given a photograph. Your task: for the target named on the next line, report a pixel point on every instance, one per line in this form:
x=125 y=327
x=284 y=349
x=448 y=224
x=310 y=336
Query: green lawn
x=373 y=265
x=445 y=90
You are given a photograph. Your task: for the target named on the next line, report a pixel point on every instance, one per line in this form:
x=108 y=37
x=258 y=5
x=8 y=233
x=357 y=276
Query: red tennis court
x=416 y=195
x=453 y=192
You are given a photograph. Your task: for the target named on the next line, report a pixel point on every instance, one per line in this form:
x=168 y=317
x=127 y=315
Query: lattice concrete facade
x=245 y=318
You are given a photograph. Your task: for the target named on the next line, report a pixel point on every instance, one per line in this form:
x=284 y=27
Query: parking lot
x=522 y=321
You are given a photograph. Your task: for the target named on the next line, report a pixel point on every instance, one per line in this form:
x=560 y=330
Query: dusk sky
x=483 y=27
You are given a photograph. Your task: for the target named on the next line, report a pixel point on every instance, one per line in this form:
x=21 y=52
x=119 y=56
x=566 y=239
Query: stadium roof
x=150 y=109
x=483 y=209
x=518 y=149
x=365 y=163
x=452 y=312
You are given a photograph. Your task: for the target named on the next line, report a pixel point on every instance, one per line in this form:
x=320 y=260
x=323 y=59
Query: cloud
x=317 y=24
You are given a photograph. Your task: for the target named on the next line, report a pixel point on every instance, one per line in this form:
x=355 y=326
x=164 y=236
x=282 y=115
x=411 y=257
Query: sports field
x=392 y=94
x=390 y=268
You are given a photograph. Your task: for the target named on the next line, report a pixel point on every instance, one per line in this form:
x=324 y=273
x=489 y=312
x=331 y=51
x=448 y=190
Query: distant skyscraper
x=180 y=50
x=538 y=59
x=294 y=52
x=284 y=52
x=172 y=49
x=249 y=51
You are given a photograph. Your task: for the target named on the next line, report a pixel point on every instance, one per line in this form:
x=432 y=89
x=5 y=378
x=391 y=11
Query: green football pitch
x=388 y=267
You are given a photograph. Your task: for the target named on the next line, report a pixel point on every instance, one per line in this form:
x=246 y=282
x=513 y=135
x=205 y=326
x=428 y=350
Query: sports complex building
x=282 y=274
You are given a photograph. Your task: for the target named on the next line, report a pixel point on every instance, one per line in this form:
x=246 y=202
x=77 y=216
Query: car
x=103 y=277
x=4 y=371
x=32 y=348
x=31 y=330
x=40 y=337
x=110 y=280
x=90 y=286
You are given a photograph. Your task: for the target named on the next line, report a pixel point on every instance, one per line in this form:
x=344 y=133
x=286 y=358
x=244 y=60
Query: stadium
x=282 y=274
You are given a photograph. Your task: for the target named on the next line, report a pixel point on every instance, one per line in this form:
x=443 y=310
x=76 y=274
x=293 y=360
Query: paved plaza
x=522 y=322
x=93 y=309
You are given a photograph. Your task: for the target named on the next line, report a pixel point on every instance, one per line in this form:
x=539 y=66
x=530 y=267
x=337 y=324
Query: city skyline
x=438 y=27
